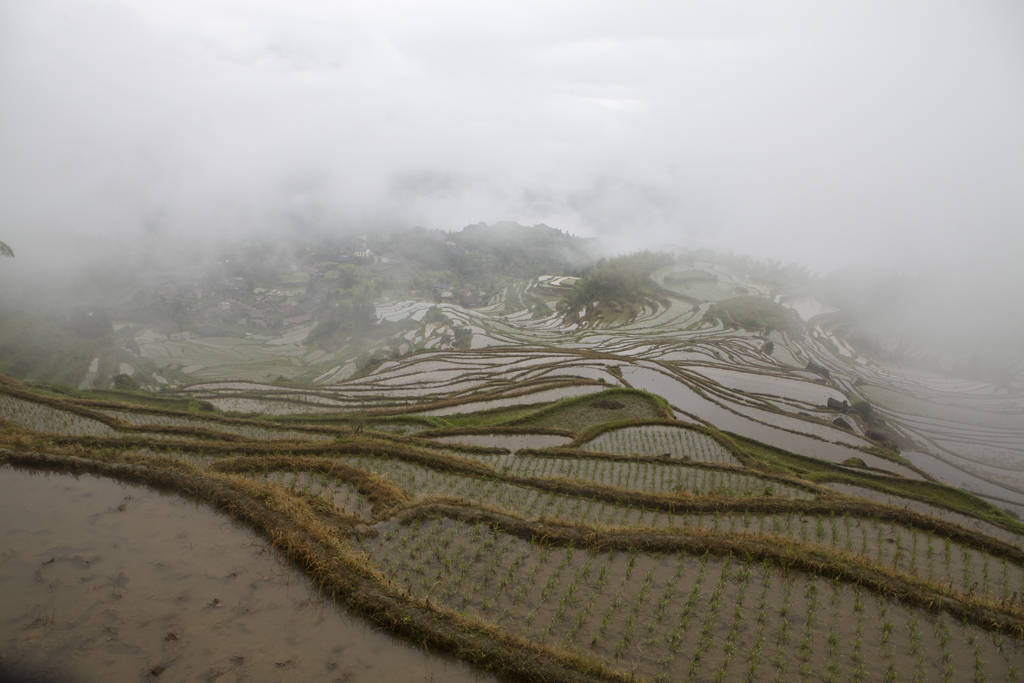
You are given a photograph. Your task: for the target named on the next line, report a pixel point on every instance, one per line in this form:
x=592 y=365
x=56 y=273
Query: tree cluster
x=624 y=280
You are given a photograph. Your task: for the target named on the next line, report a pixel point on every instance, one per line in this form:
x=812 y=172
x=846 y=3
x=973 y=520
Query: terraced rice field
x=41 y=417
x=683 y=615
x=140 y=585
x=649 y=495
x=340 y=494
x=643 y=475
x=676 y=442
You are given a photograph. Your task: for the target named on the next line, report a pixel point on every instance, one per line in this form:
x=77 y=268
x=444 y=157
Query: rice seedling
x=531 y=546
x=656 y=440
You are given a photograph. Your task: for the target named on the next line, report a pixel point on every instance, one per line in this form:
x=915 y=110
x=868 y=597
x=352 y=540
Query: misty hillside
x=324 y=294
x=459 y=434
x=460 y=341
x=264 y=288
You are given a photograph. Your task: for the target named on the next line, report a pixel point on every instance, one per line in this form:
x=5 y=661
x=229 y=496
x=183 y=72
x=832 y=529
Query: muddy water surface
x=107 y=582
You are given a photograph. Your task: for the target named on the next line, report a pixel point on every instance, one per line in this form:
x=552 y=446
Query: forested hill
x=481 y=252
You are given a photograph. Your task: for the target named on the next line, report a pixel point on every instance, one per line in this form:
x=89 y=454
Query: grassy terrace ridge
x=277 y=473
x=496 y=429
x=581 y=412
x=259 y=452
x=91 y=409
x=757 y=457
x=777 y=550
x=299 y=532
x=925 y=491
x=597 y=430
x=127 y=399
x=388 y=499
x=567 y=415
x=668 y=459
x=528 y=417
x=300 y=535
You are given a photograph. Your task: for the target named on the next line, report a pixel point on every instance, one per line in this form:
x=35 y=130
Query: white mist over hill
x=858 y=135
x=831 y=133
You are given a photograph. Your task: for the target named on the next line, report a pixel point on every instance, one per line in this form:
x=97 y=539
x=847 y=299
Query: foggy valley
x=408 y=341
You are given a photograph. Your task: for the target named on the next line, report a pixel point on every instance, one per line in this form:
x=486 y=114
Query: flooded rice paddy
x=111 y=581
x=684 y=616
x=103 y=581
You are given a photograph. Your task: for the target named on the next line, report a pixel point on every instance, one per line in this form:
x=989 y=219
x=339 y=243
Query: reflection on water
x=947 y=473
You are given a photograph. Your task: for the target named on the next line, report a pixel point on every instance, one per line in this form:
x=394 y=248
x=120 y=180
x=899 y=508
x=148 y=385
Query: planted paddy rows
x=670 y=616
x=711 y=632
x=676 y=616
x=265 y=406
x=513 y=442
x=103 y=581
x=655 y=477
x=658 y=440
x=683 y=616
x=965 y=521
x=736 y=355
x=899 y=547
x=40 y=417
x=444 y=374
x=529 y=502
x=196 y=459
x=251 y=432
x=907 y=549
x=341 y=494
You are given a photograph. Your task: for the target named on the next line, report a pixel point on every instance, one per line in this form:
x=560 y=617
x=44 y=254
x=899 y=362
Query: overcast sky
x=824 y=131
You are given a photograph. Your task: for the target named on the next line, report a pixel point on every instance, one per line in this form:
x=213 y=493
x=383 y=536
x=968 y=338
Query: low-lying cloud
x=834 y=133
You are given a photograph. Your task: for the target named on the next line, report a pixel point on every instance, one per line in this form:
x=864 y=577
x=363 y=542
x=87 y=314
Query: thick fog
x=835 y=134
